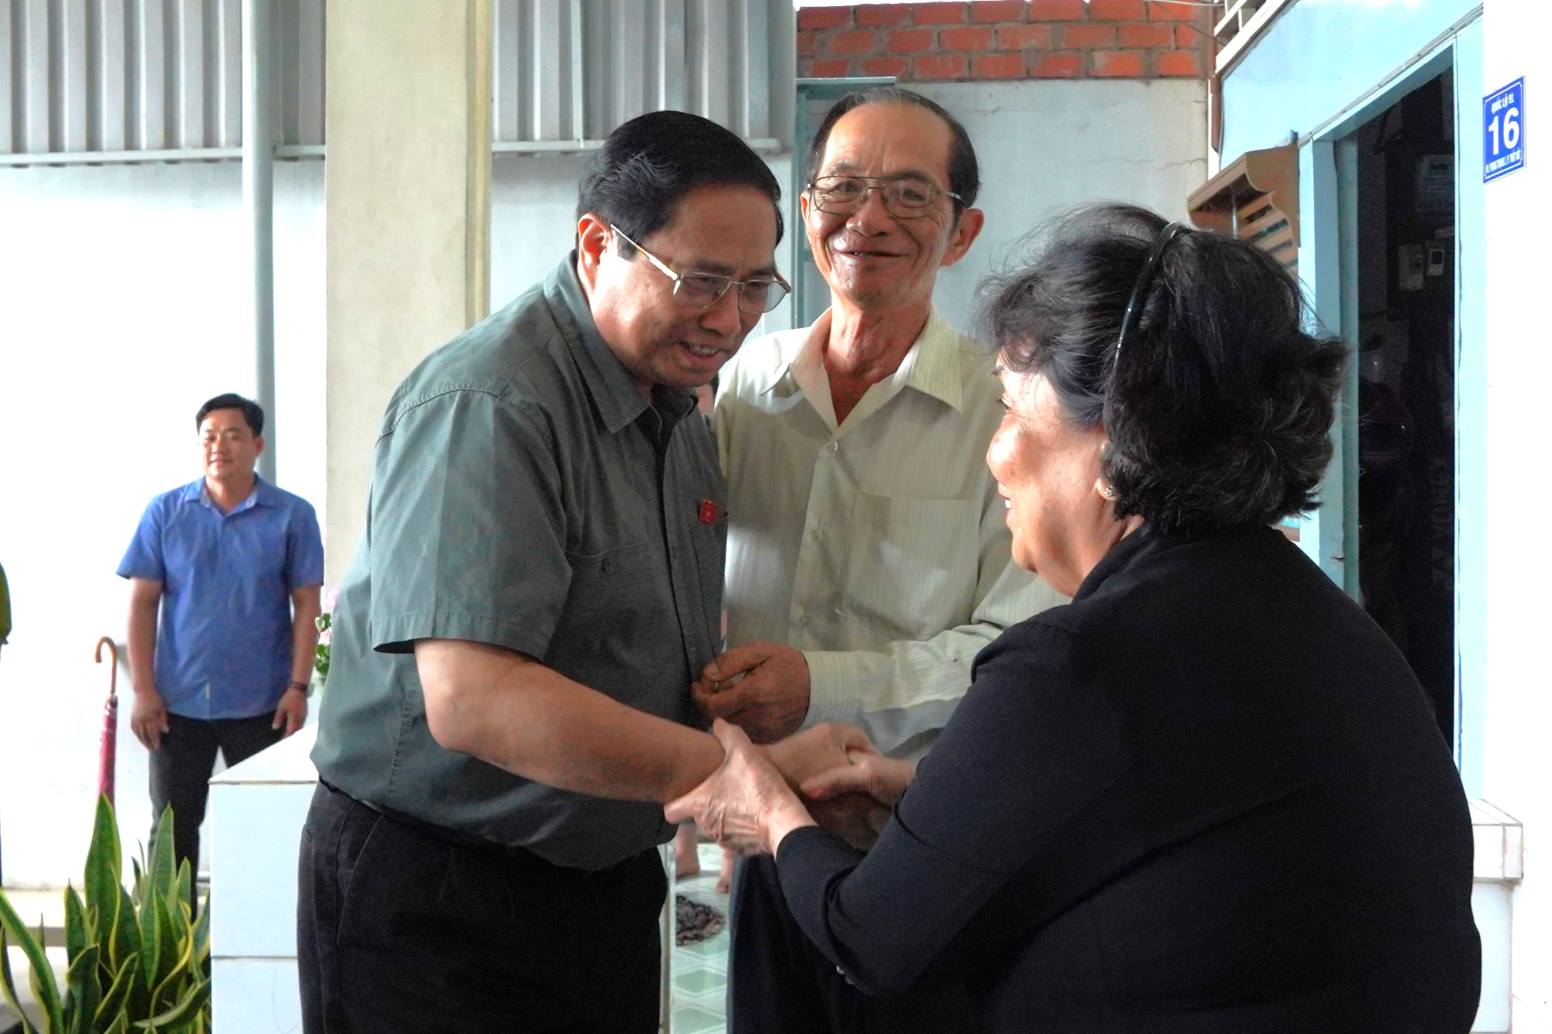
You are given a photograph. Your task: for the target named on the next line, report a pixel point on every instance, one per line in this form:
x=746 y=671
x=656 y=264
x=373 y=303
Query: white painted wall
x=1518 y=766
x=533 y=208
x=123 y=306
x=1047 y=146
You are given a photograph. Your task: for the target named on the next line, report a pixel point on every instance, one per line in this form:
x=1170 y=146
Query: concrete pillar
x=407 y=198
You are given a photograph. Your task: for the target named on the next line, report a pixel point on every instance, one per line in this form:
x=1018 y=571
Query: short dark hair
x=964 y=171
x=252 y=412
x=647 y=166
x=1219 y=409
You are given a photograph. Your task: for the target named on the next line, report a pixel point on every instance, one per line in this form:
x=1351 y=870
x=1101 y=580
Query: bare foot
x=725 y=877
x=687 y=857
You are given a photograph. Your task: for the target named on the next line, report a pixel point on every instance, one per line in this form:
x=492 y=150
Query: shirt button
x=835 y=446
x=803 y=620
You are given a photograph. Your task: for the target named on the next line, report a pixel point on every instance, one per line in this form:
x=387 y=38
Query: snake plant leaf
x=112 y=1003
x=8 y=986
x=163 y=872
x=76 y=925
x=103 y=865
x=43 y=984
x=44 y=989
x=183 y=891
x=124 y=934
x=137 y=888
x=190 y=1006
x=150 y=949
x=166 y=950
x=177 y=970
x=85 y=991
x=120 y=1025
x=202 y=934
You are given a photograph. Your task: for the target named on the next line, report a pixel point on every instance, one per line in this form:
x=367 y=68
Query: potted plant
x=137 y=959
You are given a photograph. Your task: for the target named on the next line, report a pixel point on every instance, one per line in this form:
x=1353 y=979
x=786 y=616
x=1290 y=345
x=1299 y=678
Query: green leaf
x=103 y=860
x=44 y=989
x=113 y=1002
x=139 y=885
x=120 y=1025
x=150 y=949
x=8 y=986
x=184 y=1011
x=163 y=953
x=202 y=934
x=124 y=935
x=163 y=873
x=85 y=991
x=179 y=967
x=183 y=890
x=76 y=926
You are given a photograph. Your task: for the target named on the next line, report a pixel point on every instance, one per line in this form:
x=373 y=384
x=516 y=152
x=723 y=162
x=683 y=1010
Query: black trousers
x=779 y=982
x=400 y=929
x=181 y=767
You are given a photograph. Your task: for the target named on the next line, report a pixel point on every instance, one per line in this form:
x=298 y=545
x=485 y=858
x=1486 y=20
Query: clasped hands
x=828 y=775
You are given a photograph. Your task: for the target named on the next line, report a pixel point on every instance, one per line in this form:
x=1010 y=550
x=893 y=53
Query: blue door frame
x=1328 y=265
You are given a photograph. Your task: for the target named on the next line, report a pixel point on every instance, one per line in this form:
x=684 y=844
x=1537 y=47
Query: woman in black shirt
x=1208 y=795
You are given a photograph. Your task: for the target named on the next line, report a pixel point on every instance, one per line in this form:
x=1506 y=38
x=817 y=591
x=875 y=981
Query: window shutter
x=1255 y=198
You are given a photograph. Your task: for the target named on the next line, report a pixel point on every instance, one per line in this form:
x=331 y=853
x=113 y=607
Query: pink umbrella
x=110 y=722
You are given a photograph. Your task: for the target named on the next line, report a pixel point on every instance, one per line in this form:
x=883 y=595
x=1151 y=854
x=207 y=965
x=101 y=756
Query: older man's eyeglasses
x=697 y=290
x=903 y=195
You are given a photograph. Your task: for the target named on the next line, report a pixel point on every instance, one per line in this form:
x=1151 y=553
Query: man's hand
x=148 y=718
x=291 y=714
x=762 y=687
x=814 y=751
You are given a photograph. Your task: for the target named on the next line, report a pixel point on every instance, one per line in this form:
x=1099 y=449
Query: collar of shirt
x=930 y=366
x=196 y=492
x=616 y=398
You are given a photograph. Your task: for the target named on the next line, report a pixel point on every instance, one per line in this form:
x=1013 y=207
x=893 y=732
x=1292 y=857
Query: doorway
x=1403 y=327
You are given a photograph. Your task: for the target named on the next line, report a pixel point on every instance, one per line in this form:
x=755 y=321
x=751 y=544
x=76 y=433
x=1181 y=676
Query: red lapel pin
x=709 y=512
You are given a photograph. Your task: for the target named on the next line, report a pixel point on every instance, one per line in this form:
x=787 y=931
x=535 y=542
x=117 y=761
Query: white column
x=408 y=206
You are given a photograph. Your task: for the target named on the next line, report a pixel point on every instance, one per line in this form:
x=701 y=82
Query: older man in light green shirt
x=868 y=558
x=868 y=555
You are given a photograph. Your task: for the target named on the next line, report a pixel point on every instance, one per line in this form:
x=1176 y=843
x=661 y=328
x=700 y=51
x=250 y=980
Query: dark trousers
x=401 y=929
x=181 y=767
x=779 y=982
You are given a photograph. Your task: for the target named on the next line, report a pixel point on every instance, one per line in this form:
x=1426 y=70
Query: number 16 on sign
x=1503 y=131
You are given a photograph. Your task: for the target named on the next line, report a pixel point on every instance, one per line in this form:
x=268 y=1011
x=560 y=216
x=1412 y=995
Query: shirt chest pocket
x=611 y=581
x=912 y=567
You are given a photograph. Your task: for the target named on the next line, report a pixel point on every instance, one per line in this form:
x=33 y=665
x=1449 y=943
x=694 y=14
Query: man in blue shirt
x=234 y=566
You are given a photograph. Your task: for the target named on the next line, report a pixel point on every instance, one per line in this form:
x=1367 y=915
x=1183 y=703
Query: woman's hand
x=746 y=803
x=827 y=745
x=872 y=775
x=855 y=800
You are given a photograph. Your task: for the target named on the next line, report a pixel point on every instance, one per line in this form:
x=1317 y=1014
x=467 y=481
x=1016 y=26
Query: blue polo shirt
x=223 y=642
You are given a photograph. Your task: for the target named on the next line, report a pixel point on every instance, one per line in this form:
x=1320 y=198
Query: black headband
x=1144 y=282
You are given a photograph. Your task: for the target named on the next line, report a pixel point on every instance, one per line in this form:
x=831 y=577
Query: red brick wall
x=1007 y=39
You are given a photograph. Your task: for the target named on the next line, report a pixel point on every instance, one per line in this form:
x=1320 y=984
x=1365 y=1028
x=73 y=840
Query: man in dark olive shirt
x=508 y=702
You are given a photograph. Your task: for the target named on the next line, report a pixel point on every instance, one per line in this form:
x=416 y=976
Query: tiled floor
x=699 y=970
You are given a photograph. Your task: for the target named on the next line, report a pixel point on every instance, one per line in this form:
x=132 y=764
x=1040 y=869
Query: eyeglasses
x=1143 y=285
x=698 y=290
x=904 y=196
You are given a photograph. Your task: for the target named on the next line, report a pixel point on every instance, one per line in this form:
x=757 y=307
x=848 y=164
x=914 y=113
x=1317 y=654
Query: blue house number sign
x=1503 y=131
